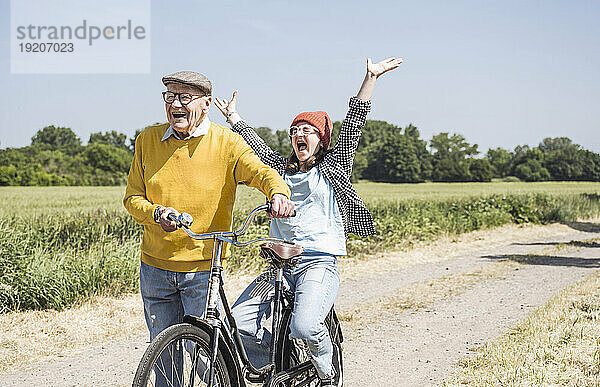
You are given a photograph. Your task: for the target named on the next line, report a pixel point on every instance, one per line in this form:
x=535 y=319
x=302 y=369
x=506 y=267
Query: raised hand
x=228 y=108
x=374 y=71
x=382 y=67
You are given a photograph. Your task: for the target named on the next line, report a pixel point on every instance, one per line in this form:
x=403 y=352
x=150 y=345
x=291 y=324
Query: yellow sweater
x=199 y=176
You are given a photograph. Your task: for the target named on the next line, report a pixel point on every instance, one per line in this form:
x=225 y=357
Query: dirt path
x=407 y=317
x=423 y=345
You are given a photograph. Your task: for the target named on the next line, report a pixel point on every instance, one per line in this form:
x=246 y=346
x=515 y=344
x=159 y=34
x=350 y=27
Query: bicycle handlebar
x=185 y=220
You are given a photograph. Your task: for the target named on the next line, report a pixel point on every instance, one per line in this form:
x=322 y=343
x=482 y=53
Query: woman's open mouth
x=301 y=145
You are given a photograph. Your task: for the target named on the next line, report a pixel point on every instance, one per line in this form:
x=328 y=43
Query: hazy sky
x=500 y=73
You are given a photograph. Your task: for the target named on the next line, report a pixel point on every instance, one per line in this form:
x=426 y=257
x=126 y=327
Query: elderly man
x=192 y=165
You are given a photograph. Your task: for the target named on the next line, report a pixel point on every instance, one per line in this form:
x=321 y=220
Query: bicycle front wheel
x=180 y=356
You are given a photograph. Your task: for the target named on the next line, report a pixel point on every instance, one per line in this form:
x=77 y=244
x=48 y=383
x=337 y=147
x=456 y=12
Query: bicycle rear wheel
x=179 y=356
x=292 y=352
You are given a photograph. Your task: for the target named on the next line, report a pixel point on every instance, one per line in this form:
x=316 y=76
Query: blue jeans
x=315 y=282
x=167 y=297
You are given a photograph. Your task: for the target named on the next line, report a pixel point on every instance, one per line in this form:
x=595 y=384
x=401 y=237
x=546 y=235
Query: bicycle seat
x=283 y=251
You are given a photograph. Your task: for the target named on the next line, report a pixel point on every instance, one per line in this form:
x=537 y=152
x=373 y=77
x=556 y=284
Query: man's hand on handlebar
x=281 y=207
x=167 y=224
x=170 y=219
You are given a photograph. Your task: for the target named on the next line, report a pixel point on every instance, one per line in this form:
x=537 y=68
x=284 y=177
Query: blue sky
x=499 y=73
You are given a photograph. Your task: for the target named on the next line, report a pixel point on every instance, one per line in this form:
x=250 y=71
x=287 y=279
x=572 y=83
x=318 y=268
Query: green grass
x=43 y=200
x=23 y=201
x=64 y=244
x=427 y=191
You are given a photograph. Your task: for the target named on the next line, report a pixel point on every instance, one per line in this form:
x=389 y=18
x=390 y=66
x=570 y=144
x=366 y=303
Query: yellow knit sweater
x=198 y=175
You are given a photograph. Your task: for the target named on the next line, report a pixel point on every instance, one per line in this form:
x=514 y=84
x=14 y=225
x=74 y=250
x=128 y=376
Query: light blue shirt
x=317 y=225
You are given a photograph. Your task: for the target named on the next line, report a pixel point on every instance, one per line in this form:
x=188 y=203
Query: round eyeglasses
x=304 y=129
x=184 y=98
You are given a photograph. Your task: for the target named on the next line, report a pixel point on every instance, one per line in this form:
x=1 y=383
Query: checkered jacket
x=336 y=167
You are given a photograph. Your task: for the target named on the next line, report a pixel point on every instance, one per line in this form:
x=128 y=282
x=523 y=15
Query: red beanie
x=319 y=120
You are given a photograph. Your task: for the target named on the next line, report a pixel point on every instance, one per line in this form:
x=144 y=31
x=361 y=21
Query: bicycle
x=207 y=352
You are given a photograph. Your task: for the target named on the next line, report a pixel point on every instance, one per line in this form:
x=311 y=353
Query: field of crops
x=63 y=244
x=23 y=201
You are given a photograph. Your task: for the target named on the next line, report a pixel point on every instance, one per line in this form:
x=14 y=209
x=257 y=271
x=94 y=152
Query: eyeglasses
x=304 y=129
x=184 y=98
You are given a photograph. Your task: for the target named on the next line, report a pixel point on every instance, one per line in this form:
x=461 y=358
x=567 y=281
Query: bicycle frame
x=216 y=291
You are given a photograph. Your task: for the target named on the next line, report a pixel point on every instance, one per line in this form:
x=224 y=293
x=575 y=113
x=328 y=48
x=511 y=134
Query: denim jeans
x=167 y=297
x=315 y=282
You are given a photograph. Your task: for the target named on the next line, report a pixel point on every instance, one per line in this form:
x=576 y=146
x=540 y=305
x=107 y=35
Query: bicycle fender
x=225 y=346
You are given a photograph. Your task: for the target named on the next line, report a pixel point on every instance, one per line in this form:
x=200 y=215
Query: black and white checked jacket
x=336 y=167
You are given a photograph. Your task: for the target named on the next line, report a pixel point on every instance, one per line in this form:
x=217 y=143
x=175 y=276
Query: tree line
x=56 y=156
x=386 y=153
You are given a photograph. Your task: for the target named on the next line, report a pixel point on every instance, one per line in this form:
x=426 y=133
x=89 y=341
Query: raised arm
x=229 y=109
x=374 y=71
x=350 y=132
x=238 y=125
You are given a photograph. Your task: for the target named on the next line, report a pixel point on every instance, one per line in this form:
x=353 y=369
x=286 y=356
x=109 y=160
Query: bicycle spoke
x=194 y=365
x=172 y=365
x=163 y=371
x=181 y=351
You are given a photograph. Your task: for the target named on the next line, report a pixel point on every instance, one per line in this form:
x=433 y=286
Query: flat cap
x=189 y=78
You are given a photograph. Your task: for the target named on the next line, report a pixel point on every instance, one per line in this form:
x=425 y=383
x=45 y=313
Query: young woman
x=328 y=208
